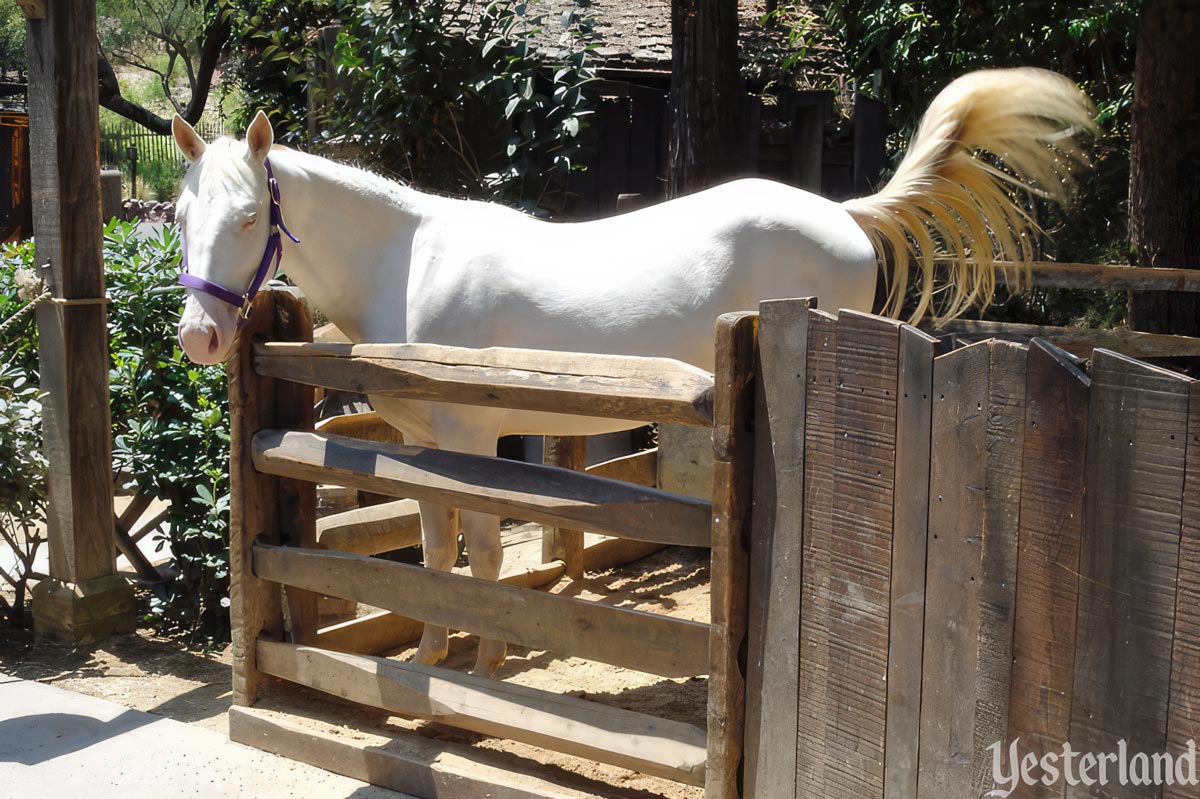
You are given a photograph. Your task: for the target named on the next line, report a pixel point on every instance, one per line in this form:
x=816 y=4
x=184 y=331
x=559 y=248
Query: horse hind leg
x=439 y=537
x=484 y=550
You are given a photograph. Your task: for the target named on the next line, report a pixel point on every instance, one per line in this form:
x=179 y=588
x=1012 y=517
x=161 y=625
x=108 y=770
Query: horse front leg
x=439 y=539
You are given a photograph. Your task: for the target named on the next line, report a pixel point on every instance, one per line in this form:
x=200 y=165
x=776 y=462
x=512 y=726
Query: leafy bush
x=169 y=421
x=452 y=95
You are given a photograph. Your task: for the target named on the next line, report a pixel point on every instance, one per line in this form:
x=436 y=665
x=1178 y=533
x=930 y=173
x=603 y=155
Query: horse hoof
x=428 y=658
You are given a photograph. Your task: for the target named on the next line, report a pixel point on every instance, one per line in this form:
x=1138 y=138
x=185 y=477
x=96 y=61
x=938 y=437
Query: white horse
x=387 y=263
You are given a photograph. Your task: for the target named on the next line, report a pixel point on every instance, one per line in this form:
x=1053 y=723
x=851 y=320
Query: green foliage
x=169 y=421
x=449 y=94
x=920 y=46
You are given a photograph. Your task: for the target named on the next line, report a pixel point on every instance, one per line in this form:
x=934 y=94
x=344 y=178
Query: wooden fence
x=275 y=542
x=961 y=549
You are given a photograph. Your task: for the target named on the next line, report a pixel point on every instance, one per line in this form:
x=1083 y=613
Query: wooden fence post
x=733 y=485
x=262 y=506
x=569 y=452
x=85 y=599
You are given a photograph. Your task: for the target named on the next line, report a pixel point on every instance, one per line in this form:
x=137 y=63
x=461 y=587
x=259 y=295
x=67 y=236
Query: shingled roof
x=636 y=34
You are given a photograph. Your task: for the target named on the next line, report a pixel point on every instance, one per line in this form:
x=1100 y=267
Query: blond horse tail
x=988 y=140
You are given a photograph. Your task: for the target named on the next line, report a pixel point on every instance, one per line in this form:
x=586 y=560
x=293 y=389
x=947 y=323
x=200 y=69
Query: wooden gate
x=277 y=457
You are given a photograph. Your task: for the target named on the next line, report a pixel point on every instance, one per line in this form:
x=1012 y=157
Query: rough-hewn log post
x=1164 y=196
x=85 y=599
x=703 y=149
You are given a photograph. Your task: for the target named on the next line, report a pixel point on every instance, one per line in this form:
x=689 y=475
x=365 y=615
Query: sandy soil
x=166 y=677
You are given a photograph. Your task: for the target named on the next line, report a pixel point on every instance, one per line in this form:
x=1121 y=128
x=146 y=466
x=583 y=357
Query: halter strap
x=267 y=267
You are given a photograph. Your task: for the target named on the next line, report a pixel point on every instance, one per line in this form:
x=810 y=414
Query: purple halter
x=267 y=267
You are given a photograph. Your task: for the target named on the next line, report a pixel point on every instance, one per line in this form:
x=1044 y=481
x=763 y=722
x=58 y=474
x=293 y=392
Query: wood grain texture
x=1129 y=562
x=814 y=711
x=565 y=724
x=384 y=631
x=563 y=543
x=255 y=605
x=401 y=760
x=623 y=637
x=998 y=566
x=860 y=552
x=1081 y=341
x=1183 y=719
x=474 y=482
x=952 y=591
x=776 y=551
x=733 y=479
x=640 y=468
x=292 y=322
x=1051 y=525
x=371 y=530
x=72 y=339
x=910 y=523
x=620 y=387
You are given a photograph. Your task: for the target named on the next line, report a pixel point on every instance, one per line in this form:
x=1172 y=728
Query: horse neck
x=356 y=232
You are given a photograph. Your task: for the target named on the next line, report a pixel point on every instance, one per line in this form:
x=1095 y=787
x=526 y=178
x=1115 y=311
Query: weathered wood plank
x=564 y=724
x=473 y=482
x=954 y=554
x=292 y=322
x=562 y=543
x=1129 y=560
x=998 y=566
x=623 y=637
x=1080 y=340
x=1051 y=523
x=371 y=530
x=407 y=761
x=860 y=552
x=255 y=604
x=383 y=631
x=910 y=524
x=776 y=551
x=814 y=712
x=619 y=387
x=1183 y=719
x=733 y=484
x=640 y=468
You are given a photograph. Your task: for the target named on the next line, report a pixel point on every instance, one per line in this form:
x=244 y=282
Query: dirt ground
x=166 y=677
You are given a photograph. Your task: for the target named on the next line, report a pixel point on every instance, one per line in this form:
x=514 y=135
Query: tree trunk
x=703 y=147
x=1164 y=192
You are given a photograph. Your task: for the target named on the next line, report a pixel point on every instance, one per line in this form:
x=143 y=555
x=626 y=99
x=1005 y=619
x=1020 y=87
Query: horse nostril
x=214 y=341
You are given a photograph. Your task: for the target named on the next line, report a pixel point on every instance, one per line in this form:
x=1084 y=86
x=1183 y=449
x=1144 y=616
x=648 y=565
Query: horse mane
x=987 y=142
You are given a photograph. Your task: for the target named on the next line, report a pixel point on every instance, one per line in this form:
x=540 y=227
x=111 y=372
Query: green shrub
x=169 y=420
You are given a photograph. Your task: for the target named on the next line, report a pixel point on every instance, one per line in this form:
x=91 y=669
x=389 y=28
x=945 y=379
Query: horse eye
x=250 y=220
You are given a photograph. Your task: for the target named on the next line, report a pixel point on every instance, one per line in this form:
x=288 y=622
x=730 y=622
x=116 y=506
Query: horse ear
x=259 y=137
x=187 y=139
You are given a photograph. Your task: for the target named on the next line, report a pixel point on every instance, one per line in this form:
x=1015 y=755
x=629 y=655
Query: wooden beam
x=1108 y=277
x=776 y=551
x=317 y=732
x=617 y=387
x=563 y=724
x=631 y=639
x=562 y=543
x=640 y=468
x=384 y=631
x=733 y=494
x=533 y=492
x=72 y=330
x=1081 y=341
x=371 y=530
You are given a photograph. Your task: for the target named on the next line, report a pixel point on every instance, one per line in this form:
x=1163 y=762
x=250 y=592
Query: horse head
x=227 y=214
